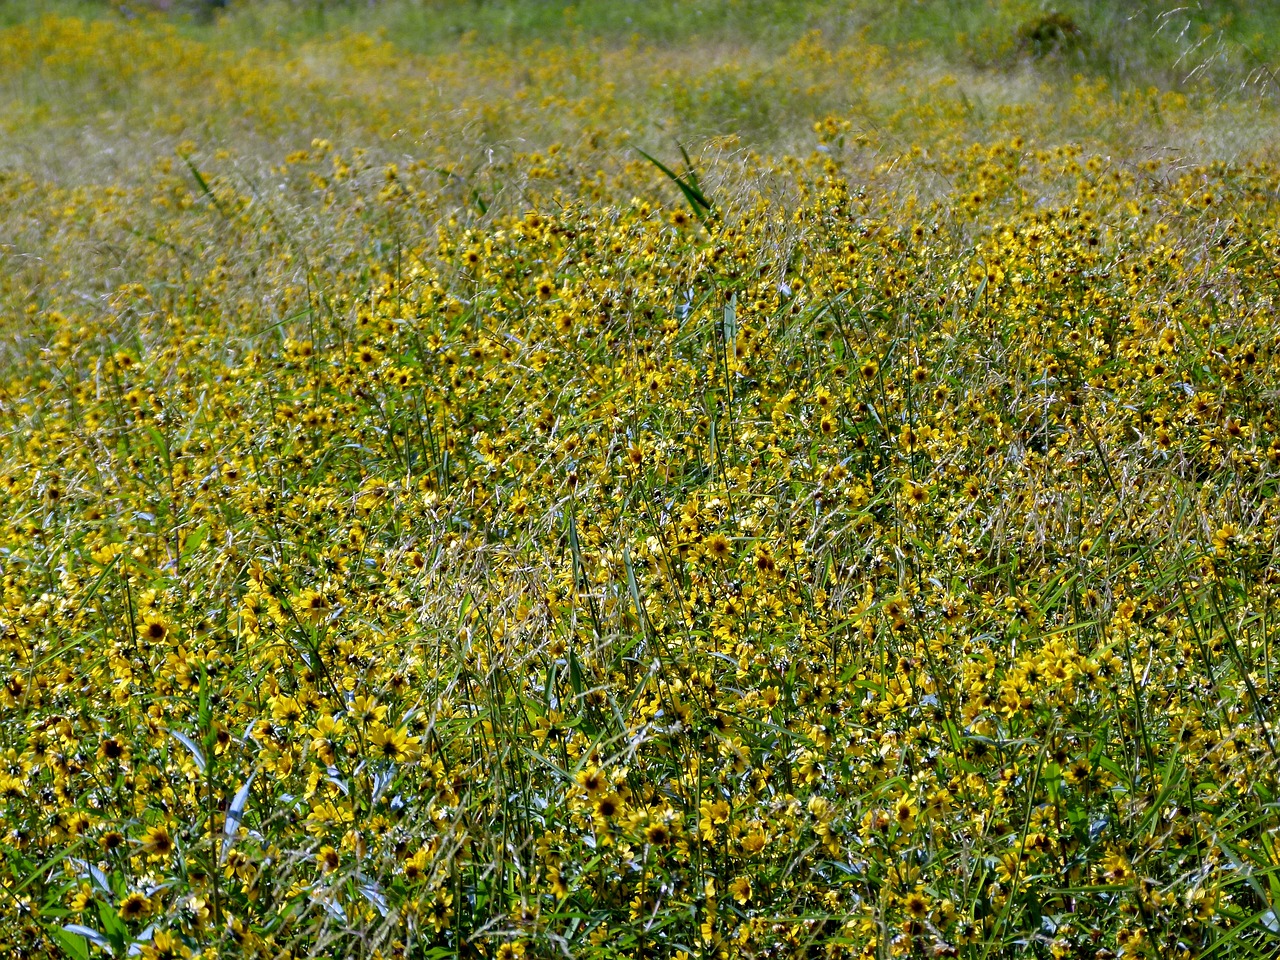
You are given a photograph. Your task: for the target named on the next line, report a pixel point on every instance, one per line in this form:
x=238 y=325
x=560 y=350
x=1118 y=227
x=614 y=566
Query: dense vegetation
x=740 y=479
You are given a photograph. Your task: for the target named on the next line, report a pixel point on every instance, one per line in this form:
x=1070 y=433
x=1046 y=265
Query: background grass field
x=762 y=479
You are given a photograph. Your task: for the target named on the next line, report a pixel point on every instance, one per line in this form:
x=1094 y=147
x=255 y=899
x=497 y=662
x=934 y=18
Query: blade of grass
x=701 y=206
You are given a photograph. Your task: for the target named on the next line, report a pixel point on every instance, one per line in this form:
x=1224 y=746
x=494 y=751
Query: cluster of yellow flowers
x=402 y=557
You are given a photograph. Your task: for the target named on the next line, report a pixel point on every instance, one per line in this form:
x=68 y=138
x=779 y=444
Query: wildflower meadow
x=742 y=478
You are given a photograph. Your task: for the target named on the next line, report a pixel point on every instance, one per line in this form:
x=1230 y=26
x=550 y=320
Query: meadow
x=750 y=478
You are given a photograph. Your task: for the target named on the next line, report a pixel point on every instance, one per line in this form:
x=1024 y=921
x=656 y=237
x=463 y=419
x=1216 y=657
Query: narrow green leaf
x=575 y=674
x=162 y=445
x=695 y=197
x=235 y=814
x=731 y=321
x=688 y=167
x=191 y=745
x=203 y=184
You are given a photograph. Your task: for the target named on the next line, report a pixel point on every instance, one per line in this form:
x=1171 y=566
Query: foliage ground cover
x=802 y=488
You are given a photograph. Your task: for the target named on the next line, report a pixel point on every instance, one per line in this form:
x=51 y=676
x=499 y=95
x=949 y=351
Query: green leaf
x=162 y=445
x=575 y=674
x=688 y=166
x=191 y=745
x=463 y=609
x=203 y=184
x=74 y=940
x=193 y=540
x=235 y=814
x=633 y=587
x=689 y=187
x=977 y=294
x=113 y=927
x=549 y=691
x=575 y=549
x=204 y=712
